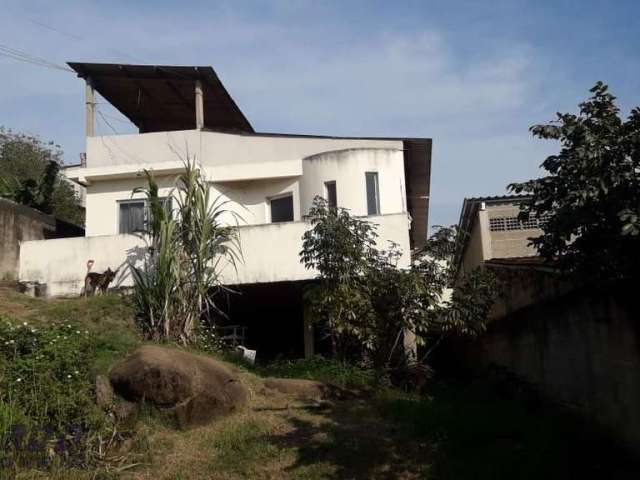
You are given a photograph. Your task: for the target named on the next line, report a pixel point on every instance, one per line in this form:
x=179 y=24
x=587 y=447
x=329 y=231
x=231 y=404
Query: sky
x=471 y=75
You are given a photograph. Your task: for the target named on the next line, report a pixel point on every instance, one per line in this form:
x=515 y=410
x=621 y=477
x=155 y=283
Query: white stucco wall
x=62 y=263
x=270 y=254
x=102 y=201
x=246 y=170
x=248 y=199
x=214 y=148
x=347 y=168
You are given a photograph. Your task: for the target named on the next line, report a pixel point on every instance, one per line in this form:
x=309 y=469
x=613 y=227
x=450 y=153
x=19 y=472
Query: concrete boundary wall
x=582 y=350
x=18 y=223
x=270 y=254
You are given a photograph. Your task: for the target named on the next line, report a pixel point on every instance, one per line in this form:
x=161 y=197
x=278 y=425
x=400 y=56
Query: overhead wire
x=26 y=57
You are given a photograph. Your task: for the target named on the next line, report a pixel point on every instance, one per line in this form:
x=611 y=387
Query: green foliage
x=368 y=303
x=472 y=298
x=339 y=246
x=342 y=374
x=590 y=198
x=399 y=300
x=30 y=175
x=47 y=411
x=174 y=289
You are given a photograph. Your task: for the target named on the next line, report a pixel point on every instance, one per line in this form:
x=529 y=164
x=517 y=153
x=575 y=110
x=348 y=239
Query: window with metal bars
x=502 y=224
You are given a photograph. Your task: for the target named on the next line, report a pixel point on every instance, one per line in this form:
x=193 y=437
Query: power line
x=26 y=57
x=78 y=37
x=49 y=27
x=106 y=121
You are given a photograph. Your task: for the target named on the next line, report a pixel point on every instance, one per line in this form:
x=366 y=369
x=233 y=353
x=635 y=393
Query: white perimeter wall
x=270 y=254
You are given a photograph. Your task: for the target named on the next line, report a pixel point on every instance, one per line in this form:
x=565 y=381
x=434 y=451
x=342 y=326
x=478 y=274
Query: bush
x=47 y=411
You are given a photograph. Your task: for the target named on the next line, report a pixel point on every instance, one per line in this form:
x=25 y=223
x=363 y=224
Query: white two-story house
x=270 y=179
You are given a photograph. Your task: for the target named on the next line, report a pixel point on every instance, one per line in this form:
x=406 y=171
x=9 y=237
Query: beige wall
x=473 y=255
x=484 y=244
x=511 y=243
x=270 y=254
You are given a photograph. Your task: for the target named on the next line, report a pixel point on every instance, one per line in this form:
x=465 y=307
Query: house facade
x=270 y=180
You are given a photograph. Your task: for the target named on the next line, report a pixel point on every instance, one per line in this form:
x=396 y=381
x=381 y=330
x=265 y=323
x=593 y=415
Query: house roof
x=162 y=98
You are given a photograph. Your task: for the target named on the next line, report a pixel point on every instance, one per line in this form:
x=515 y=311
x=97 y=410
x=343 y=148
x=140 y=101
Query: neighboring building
x=19 y=223
x=270 y=179
x=494 y=237
x=491 y=230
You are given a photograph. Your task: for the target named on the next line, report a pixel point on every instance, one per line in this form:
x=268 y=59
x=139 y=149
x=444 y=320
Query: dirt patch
x=309 y=389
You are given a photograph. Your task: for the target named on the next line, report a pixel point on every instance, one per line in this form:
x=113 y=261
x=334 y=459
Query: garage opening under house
x=270 y=180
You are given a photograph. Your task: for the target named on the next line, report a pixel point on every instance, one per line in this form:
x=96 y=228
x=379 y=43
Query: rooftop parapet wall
x=214 y=148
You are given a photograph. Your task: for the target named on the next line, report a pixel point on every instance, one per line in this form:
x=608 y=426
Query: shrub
x=47 y=412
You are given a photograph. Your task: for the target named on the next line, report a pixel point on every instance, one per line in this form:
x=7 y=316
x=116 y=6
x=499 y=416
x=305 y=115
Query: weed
x=339 y=373
x=242 y=444
x=48 y=416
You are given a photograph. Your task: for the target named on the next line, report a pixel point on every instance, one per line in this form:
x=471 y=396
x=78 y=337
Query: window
x=331 y=194
x=373 y=193
x=502 y=224
x=282 y=209
x=132 y=215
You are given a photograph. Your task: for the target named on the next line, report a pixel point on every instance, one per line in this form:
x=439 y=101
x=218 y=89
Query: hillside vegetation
x=458 y=430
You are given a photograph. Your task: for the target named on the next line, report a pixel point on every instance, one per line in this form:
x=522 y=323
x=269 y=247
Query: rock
x=308 y=389
x=104 y=393
x=194 y=388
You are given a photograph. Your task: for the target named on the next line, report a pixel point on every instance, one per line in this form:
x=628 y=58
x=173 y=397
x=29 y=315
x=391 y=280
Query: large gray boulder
x=195 y=389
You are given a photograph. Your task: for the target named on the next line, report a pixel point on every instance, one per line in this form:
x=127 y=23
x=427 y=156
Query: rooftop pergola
x=158 y=98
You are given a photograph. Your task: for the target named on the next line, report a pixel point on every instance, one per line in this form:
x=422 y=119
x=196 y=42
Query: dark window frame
x=167 y=201
x=327 y=185
x=373 y=207
x=276 y=198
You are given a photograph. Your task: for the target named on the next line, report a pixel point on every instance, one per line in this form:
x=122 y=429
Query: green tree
x=30 y=175
x=400 y=300
x=368 y=303
x=589 y=201
x=339 y=246
x=175 y=287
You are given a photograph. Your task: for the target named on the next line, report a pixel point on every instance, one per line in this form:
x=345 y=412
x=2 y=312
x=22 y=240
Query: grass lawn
x=458 y=431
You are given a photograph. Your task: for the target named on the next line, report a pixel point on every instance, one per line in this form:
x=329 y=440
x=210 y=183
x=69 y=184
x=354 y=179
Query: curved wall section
x=347 y=168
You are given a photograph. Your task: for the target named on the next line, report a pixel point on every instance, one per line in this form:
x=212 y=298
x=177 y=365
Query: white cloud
x=304 y=78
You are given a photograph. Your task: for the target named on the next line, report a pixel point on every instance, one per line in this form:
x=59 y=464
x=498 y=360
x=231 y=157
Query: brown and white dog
x=97 y=283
